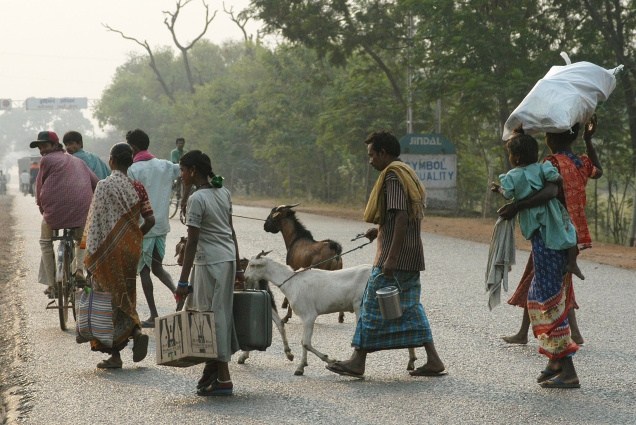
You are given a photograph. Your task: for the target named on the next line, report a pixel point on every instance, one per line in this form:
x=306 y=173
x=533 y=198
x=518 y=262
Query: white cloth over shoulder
x=565 y=96
x=501 y=257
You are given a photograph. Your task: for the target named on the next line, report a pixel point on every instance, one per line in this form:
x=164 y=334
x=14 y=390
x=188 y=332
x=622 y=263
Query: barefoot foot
x=574 y=269
x=516 y=339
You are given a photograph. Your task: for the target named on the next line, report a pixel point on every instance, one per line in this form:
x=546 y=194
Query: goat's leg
x=288 y=315
x=308 y=330
x=244 y=356
x=412 y=358
x=341 y=317
x=281 y=328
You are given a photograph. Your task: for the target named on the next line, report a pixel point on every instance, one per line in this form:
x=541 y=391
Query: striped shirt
x=411 y=255
x=64 y=190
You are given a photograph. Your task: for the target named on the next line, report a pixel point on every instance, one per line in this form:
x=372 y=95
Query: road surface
x=56 y=382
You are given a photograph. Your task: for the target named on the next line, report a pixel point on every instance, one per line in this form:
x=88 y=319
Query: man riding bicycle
x=64 y=189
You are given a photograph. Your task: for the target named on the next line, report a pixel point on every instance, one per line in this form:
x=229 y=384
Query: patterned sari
x=548 y=301
x=113 y=247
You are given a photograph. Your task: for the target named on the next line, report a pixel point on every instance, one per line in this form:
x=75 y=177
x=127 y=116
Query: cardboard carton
x=185 y=338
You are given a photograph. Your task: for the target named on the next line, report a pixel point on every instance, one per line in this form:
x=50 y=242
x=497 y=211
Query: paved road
x=488 y=381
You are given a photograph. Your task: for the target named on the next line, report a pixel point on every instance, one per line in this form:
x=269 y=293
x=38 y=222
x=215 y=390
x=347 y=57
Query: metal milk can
x=389 y=301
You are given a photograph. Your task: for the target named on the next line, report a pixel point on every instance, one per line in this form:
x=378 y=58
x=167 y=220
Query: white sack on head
x=565 y=96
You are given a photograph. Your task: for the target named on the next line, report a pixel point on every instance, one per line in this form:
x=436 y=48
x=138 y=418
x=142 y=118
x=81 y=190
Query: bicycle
x=175 y=198
x=64 y=298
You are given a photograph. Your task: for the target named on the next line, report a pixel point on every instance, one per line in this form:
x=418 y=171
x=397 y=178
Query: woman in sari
x=113 y=240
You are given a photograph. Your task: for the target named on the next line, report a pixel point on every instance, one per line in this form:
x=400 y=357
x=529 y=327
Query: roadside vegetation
x=283 y=112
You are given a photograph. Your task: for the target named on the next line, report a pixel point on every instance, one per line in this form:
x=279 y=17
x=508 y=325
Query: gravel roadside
x=14 y=349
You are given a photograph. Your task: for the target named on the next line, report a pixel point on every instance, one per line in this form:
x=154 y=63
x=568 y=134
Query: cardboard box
x=185 y=338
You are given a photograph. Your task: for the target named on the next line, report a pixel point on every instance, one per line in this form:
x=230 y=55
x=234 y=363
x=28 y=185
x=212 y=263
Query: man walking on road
x=157 y=176
x=75 y=146
x=396 y=204
x=63 y=190
x=177 y=153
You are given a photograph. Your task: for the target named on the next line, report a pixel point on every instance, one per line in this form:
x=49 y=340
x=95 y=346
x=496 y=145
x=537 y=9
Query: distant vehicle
x=32 y=165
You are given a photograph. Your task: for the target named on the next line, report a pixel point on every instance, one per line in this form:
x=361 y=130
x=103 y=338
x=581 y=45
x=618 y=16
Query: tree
x=336 y=29
x=184 y=48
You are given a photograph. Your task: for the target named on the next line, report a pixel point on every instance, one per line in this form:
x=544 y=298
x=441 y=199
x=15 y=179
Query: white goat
x=314 y=292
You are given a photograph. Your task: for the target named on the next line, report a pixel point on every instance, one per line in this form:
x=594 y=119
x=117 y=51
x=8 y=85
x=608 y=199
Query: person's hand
x=182 y=291
x=371 y=234
x=494 y=187
x=590 y=128
x=508 y=211
x=389 y=267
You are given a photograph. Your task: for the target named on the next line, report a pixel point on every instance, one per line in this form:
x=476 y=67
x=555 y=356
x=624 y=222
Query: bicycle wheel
x=71 y=286
x=63 y=288
x=174 y=203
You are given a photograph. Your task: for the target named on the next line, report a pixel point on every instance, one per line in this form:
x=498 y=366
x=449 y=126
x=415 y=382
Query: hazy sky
x=59 y=48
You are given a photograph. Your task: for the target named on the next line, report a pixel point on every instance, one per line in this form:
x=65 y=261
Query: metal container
x=389 y=301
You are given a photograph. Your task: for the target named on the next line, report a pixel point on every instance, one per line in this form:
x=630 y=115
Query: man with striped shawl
x=396 y=204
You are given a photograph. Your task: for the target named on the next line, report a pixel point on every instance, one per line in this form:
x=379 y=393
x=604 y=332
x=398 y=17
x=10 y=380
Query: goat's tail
x=335 y=247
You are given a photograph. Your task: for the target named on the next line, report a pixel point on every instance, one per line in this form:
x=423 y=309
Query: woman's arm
x=149 y=222
x=188 y=259
x=590 y=129
x=549 y=191
x=240 y=277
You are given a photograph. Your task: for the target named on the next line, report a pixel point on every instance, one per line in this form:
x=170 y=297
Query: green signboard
x=426 y=144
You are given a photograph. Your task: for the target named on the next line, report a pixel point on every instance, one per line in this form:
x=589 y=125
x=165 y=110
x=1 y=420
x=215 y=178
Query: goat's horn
x=262 y=254
x=290 y=206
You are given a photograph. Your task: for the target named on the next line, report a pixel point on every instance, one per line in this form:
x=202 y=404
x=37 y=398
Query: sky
x=59 y=48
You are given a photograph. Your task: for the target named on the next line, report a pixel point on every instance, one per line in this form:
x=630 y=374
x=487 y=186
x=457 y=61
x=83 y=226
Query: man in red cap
x=63 y=192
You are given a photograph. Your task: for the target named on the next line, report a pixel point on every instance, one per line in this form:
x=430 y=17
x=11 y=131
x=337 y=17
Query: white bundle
x=565 y=96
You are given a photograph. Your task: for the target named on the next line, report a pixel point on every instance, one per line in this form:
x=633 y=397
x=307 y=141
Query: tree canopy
x=288 y=120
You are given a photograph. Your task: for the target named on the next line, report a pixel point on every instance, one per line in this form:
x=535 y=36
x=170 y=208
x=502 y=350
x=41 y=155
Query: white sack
x=565 y=96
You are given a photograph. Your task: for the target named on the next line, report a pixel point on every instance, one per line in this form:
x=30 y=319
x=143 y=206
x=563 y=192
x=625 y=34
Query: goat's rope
x=175 y=265
x=324 y=261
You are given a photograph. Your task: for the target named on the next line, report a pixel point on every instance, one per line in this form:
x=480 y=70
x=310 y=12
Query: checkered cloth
x=373 y=333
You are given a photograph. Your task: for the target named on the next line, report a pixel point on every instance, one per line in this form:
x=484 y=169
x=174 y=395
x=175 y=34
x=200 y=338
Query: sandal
x=148 y=323
x=210 y=374
x=110 y=363
x=217 y=388
x=140 y=347
x=547 y=374
x=341 y=369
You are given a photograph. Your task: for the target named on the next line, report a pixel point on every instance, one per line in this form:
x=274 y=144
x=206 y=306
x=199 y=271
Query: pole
x=409 y=78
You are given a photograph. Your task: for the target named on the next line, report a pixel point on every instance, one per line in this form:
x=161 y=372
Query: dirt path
x=13 y=342
x=473 y=229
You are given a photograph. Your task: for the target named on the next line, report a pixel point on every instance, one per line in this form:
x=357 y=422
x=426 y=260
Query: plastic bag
x=565 y=96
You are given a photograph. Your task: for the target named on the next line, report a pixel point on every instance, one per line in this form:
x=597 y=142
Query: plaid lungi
x=412 y=329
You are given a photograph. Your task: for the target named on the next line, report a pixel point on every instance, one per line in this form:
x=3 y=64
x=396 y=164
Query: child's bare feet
x=574 y=269
x=516 y=339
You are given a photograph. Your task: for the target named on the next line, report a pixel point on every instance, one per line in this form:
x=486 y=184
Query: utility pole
x=409 y=77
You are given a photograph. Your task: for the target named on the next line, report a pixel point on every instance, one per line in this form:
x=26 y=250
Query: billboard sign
x=50 y=103
x=434 y=160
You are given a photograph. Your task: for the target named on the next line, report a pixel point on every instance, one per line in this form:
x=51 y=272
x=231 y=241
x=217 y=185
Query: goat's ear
x=262 y=254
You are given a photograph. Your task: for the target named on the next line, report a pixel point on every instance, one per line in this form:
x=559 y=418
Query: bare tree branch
x=170 y=22
x=153 y=63
x=240 y=20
